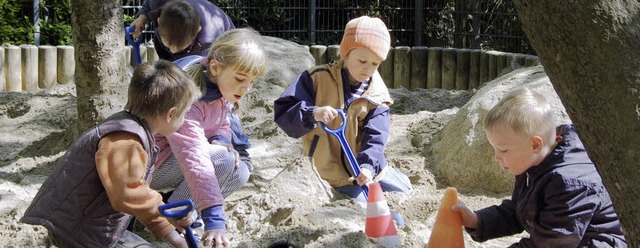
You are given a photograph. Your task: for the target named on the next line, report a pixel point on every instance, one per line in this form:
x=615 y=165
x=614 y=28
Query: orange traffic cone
x=379 y=224
x=447 y=230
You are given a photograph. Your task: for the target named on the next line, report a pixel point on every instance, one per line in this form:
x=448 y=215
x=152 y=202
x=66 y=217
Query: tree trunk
x=591 y=51
x=100 y=76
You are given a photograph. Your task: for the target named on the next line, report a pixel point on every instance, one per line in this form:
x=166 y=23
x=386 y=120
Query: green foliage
x=15 y=28
x=55 y=22
x=16 y=22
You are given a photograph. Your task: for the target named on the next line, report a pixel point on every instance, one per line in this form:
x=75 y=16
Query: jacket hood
x=212 y=92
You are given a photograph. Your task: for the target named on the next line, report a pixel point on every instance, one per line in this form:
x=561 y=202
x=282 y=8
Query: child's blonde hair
x=239 y=48
x=158 y=86
x=526 y=112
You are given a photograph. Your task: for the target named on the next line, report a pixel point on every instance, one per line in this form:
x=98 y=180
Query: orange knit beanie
x=366 y=32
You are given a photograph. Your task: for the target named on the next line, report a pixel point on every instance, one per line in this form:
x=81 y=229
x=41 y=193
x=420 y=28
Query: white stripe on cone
x=379 y=208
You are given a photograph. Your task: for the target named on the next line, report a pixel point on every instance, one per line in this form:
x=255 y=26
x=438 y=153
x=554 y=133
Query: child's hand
x=469 y=218
x=139 y=24
x=176 y=240
x=325 y=114
x=179 y=224
x=215 y=238
x=364 y=179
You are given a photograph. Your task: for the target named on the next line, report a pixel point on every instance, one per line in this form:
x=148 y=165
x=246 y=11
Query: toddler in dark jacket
x=559 y=198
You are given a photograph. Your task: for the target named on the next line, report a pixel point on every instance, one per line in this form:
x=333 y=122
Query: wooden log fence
x=30 y=69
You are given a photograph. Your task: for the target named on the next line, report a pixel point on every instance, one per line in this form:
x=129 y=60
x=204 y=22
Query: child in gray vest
x=103 y=179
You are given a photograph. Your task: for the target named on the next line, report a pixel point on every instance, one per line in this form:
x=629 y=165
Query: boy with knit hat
x=353 y=85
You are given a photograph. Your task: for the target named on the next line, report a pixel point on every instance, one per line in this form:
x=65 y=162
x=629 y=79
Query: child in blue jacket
x=353 y=85
x=559 y=198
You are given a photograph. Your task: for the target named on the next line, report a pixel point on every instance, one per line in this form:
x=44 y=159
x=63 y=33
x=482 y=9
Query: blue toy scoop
x=135 y=43
x=178 y=210
x=339 y=133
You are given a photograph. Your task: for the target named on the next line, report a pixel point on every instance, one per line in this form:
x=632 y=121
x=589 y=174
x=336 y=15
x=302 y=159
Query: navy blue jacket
x=293 y=112
x=561 y=203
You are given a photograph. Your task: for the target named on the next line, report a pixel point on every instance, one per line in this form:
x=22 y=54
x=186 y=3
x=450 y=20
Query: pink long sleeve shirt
x=191 y=147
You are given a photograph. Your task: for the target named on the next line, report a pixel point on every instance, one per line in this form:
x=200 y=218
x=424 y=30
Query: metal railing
x=475 y=24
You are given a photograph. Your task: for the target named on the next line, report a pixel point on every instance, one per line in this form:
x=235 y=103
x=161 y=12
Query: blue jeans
x=392 y=181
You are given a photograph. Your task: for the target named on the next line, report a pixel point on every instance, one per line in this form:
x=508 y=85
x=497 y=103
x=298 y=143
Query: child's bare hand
x=325 y=114
x=364 y=179
x=179 y=224
x=139 y=24
x=469 y=218
x=215 y=238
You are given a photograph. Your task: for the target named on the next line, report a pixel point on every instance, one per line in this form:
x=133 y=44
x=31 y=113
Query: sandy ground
x=284 y=199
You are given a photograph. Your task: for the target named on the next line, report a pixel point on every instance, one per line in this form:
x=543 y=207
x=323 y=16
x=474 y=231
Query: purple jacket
x=561 y=203
x=213 y=20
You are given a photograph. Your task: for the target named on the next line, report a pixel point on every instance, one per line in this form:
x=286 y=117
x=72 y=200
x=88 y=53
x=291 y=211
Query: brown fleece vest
x=325 y=149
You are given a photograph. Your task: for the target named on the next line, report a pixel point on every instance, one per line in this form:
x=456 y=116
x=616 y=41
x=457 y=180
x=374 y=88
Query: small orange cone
x=447 y=230
x=379 y=224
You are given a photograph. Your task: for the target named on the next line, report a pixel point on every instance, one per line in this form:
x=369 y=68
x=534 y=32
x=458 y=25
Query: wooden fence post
x=501 y=63
x=29 y=68
x=449 y=68
x=493 y=64
x=462 y=69
x=333 y=53
x=419 y=57
x=402 y=67
x=13 y=68
x=66 y=64
x=152 y=55
x=484 y=67
x=319 y=53
x=474 y=69
x=532 y=60
x=519 y=60
x=386 y=69
x=47 y=66
x=434 y=70
x=3 y=81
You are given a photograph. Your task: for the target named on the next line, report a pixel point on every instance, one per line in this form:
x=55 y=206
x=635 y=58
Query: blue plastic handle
x=339 y=133
x=135 y=43
x=178 y=210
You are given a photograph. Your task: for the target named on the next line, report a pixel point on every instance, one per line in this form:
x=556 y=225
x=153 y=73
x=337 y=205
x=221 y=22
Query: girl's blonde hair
x=527 y=112
x=239 y=48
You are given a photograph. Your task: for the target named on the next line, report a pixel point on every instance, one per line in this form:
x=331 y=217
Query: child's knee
x=221 y=157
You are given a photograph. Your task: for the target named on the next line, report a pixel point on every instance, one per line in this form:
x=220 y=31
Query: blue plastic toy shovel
x=339 y=133
x=135 y=43
x=178 y=210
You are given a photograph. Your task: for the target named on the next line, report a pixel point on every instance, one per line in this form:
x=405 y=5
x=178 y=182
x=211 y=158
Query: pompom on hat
x=367 y=32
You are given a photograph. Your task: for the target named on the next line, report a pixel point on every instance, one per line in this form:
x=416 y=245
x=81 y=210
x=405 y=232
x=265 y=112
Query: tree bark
x=100 y=76
x=591 y=51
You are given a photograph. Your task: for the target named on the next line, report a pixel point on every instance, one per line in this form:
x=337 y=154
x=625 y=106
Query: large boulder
x=286 y=60
x=463 y=157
